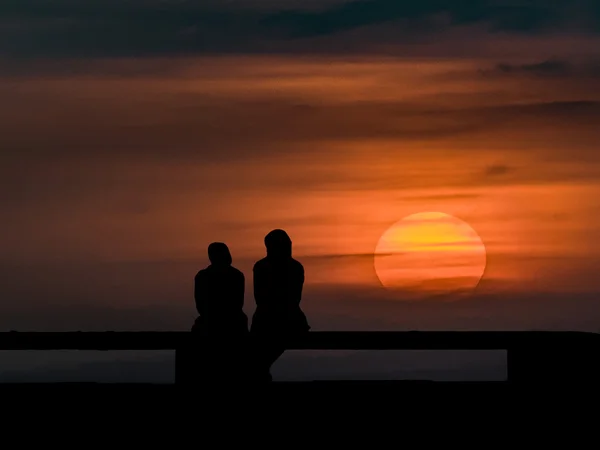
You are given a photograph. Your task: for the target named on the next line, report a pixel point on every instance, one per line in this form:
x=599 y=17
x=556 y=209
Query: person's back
x=278 y=287
x=217 y=350
x=278 y=282
x=219 y=295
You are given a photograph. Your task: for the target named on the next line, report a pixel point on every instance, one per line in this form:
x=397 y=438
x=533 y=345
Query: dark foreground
x=317 y=389
x=316 y=392
x=279 y=386
x=328 y=395
x=352 y=405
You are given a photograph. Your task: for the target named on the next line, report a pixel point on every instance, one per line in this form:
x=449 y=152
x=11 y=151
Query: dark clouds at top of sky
x=65 y=28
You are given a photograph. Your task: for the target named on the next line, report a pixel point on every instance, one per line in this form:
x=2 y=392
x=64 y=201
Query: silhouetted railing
x=531 y=356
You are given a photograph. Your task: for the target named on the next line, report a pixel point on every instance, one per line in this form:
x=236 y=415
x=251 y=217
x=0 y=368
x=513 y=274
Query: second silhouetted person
x=278 y=283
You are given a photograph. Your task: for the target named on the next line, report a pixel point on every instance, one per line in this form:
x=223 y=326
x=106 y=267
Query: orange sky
x=155 y=167
x=134 y=133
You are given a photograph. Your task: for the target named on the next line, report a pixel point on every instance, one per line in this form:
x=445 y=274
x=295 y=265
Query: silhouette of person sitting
x=219 y=295
x=222 y=326
x=278 y=282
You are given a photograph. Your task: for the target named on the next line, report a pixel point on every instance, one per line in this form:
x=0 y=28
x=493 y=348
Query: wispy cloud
x=551 y=68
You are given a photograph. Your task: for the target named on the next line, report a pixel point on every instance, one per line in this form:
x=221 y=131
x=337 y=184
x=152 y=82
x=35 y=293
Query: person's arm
x=241 y=290
x=300 y=284
x=259 y=287
x=199 y=296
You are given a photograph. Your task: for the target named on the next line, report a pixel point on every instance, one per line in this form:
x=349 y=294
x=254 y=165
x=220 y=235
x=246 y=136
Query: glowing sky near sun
x=430 y=251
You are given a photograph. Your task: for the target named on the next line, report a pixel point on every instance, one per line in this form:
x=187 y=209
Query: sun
x=430 y=253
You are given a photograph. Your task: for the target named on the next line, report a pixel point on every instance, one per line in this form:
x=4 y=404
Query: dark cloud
x=551 y=68
x=421 y=198
x=337 y=257
x=192 y=127
x=119 y=151
x=133 y=28
x=428 y=14
x=497 y=169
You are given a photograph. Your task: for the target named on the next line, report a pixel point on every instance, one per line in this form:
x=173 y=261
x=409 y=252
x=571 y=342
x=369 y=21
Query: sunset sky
x=135 y=132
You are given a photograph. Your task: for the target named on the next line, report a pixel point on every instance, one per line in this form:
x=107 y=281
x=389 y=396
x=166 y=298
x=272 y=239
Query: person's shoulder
x=201 y=273
x=237 y=272
x=261 y=263
x=297 y=265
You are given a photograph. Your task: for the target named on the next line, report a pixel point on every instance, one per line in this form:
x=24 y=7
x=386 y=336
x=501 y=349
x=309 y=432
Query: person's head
x=279 y=244
x=218 y=254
